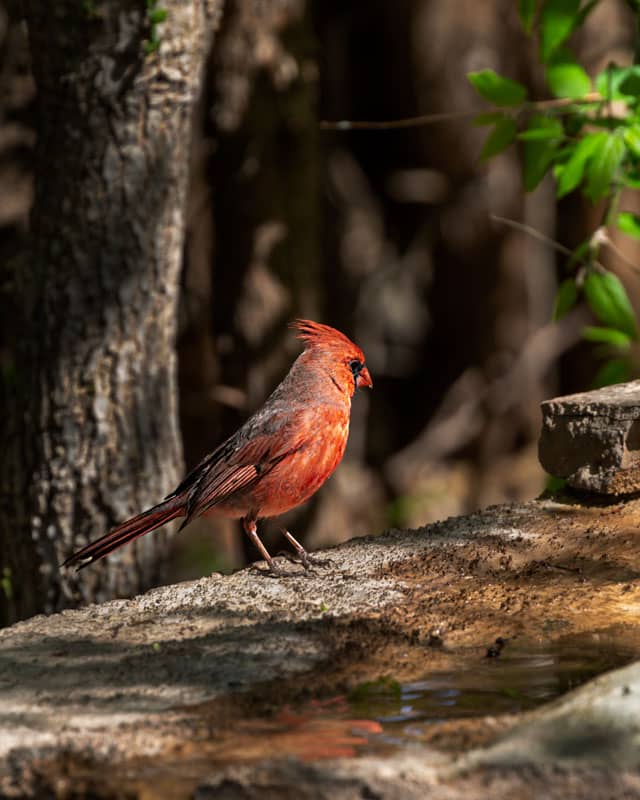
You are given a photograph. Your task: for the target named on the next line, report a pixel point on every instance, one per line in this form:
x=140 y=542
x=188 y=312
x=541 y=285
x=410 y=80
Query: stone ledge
x=593 y=439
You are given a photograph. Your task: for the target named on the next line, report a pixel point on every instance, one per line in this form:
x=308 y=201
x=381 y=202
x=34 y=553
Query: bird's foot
x=302 y=557
x=314 y=561
x=272 y=570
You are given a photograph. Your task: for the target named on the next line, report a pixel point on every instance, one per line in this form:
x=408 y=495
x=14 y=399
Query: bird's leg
x=306 y=560
x=251 y=529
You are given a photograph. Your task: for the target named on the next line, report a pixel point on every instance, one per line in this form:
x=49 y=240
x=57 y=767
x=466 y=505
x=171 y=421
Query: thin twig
x=603 y=238
x=408 y=122
x=610 y=243
x=535 y=234
x=520 y=226
x=430 y=119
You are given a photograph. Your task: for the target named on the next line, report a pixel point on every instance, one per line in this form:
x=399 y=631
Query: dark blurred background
x=385 y=234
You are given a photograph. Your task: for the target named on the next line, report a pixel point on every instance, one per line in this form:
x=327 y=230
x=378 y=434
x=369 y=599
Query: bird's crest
x=315 y=334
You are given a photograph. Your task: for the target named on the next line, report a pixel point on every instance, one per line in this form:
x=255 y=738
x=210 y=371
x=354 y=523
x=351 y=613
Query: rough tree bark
x=90 y=425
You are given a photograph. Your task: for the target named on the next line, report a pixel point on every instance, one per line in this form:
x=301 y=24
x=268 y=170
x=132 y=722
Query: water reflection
x=523 y=676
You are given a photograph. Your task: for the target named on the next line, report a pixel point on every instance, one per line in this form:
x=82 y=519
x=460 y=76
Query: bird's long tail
x=131 y=529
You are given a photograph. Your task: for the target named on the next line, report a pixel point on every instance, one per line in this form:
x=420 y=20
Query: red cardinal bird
x=276 y=460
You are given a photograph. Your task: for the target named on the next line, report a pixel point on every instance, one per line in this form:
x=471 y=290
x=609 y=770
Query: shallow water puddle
x=515 y=676
x=384 y=715
x=468 y=701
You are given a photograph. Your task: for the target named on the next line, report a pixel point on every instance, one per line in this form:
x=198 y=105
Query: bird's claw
x=305 y=559
x=273 y=571
x=308 y=561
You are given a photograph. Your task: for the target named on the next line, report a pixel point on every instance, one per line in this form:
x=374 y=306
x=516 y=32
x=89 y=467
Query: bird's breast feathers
x=317 y=449
x=320 y=451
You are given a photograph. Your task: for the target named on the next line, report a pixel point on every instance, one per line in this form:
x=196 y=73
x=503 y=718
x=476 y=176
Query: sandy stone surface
x=227 y=686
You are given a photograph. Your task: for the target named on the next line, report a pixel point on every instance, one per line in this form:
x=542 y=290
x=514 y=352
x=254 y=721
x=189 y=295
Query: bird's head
x=344 y=359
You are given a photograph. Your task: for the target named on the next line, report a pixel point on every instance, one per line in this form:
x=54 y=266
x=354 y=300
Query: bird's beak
x=364 y=379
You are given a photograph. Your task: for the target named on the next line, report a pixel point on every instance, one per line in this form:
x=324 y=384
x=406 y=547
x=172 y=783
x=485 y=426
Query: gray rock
x=593 y=439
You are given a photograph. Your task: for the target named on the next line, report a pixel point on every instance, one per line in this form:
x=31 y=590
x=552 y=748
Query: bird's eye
x=356 y=367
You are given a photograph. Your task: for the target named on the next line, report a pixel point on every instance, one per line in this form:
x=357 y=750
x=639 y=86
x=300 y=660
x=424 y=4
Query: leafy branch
x=588 y=138
x=444 y=116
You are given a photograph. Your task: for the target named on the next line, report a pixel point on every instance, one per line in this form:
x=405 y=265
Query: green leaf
x=573 y=170
x=553 y=130
x=489 y=118
x=554 y=485
x=537 y=135
x=574 y=123
x=538 y=157
x=619 y=83
x=582 y=254
x=565 y=76
x=566 y=298
x=632 y=139
x=615 y=371
x=629 y=223
x=607 y=336
x=499 y=139
x=157 y=15
x=608 y=300
x=527 y=10
x=603 y=165
x=539 y=152
x=496 y=89
x=558 y=20
x=631 y=180
x=630 y=86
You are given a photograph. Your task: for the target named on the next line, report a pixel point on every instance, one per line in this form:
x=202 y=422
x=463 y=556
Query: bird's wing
x=193 y=477
x=232 y=472
x=249 y=444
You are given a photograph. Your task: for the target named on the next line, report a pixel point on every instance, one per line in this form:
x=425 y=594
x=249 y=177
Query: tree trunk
x=90 y=423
